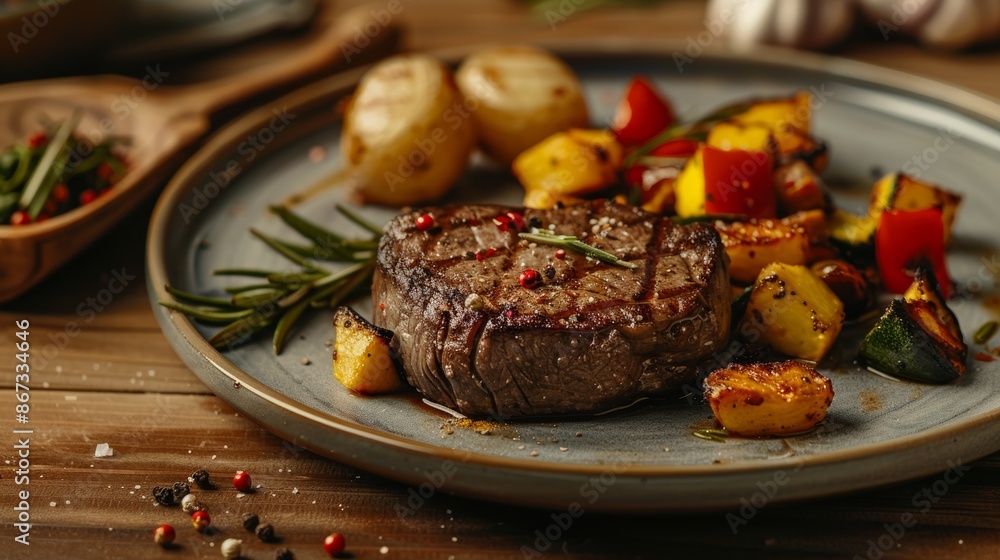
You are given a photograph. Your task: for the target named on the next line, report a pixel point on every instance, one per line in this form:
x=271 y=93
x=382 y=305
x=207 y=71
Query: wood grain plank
x=160 y=439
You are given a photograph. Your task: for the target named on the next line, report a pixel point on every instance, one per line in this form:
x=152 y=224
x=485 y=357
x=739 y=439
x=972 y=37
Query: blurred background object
x=56 y=33
x=183 y=27
x=804 y=24
x=72 y=37
x=820 y=24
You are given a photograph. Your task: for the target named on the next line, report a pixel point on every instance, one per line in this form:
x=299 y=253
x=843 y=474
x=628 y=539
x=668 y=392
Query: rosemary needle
x=282 y=297
x=573 y=243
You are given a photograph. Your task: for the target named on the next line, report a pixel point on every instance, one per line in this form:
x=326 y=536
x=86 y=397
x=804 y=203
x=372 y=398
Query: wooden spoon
x=163 y=122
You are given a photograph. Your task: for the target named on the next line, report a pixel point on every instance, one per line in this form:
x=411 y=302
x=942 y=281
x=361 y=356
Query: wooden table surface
x=116 y=380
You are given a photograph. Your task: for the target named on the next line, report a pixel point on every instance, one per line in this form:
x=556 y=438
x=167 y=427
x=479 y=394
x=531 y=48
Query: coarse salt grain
x=384 y=550
x=103 y=450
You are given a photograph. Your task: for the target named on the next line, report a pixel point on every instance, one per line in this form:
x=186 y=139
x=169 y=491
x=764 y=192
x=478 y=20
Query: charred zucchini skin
x=900 y=346
x=853 y=236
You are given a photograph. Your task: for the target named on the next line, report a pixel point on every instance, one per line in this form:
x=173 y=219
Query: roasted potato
x=737 y=136
x=407 y=134
x=570 y=163
x=793 y=311
x=363 y=356
x=753 y=245
x=792 y=112
x=522 y=95
x=769 y=399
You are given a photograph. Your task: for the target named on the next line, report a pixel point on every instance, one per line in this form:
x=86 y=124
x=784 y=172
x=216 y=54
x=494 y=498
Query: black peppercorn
x=550 y=272
x=284 y=554
x=180 y=490
x=164 y=496
x=200 y=478
x=250 y=521
x=534 y=222
x=265 y=532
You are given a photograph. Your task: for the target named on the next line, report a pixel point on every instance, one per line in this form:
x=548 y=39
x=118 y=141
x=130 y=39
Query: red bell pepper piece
x=902 y=240
x=642 y=113
x=738 y=182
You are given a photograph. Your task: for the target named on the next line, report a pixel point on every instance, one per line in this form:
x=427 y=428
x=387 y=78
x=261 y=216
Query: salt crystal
x=295 y=490
x=384 y=550
x=52 y=504
x=103 y=450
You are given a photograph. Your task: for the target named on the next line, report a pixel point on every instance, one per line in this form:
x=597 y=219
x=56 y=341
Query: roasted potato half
x=753 y=245
x=362 y=356
x=568 y=164
x=768 y=399
x=522 y=95
x=793 y=311
x=407 y=134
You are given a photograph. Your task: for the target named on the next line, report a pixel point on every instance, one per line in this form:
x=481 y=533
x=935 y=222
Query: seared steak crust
x=591 y=336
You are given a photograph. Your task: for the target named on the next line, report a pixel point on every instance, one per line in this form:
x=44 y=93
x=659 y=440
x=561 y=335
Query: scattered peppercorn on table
x=102 y=373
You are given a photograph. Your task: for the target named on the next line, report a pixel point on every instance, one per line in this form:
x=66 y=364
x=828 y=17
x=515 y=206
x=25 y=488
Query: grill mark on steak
x=592 y=337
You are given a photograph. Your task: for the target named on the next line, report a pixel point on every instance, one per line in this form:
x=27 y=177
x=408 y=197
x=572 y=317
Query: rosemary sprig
x=280 y=298
x=573 y=243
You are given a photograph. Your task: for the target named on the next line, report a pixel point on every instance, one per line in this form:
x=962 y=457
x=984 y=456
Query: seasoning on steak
x=587 y=337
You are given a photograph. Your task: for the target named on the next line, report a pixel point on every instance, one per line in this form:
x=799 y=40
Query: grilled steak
x=588 y=337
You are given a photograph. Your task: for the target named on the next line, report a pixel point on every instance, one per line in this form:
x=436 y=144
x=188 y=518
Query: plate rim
x=981 y=107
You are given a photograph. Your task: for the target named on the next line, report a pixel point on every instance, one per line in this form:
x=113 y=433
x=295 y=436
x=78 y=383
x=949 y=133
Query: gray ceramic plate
x=644 y=458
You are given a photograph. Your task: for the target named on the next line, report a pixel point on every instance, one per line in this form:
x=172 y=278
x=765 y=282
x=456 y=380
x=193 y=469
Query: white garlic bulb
x=954 y=24
x=791 y=23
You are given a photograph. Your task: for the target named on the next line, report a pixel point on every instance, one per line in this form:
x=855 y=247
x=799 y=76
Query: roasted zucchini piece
x=768 y=399
x=848 y=283
x=570 y=163
x=363 y=359
x=925 y=287
x=898 y=191
x=853 y=235
x=753 y=245
x=909 y=342
x=793 y=311
x=918 y=336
